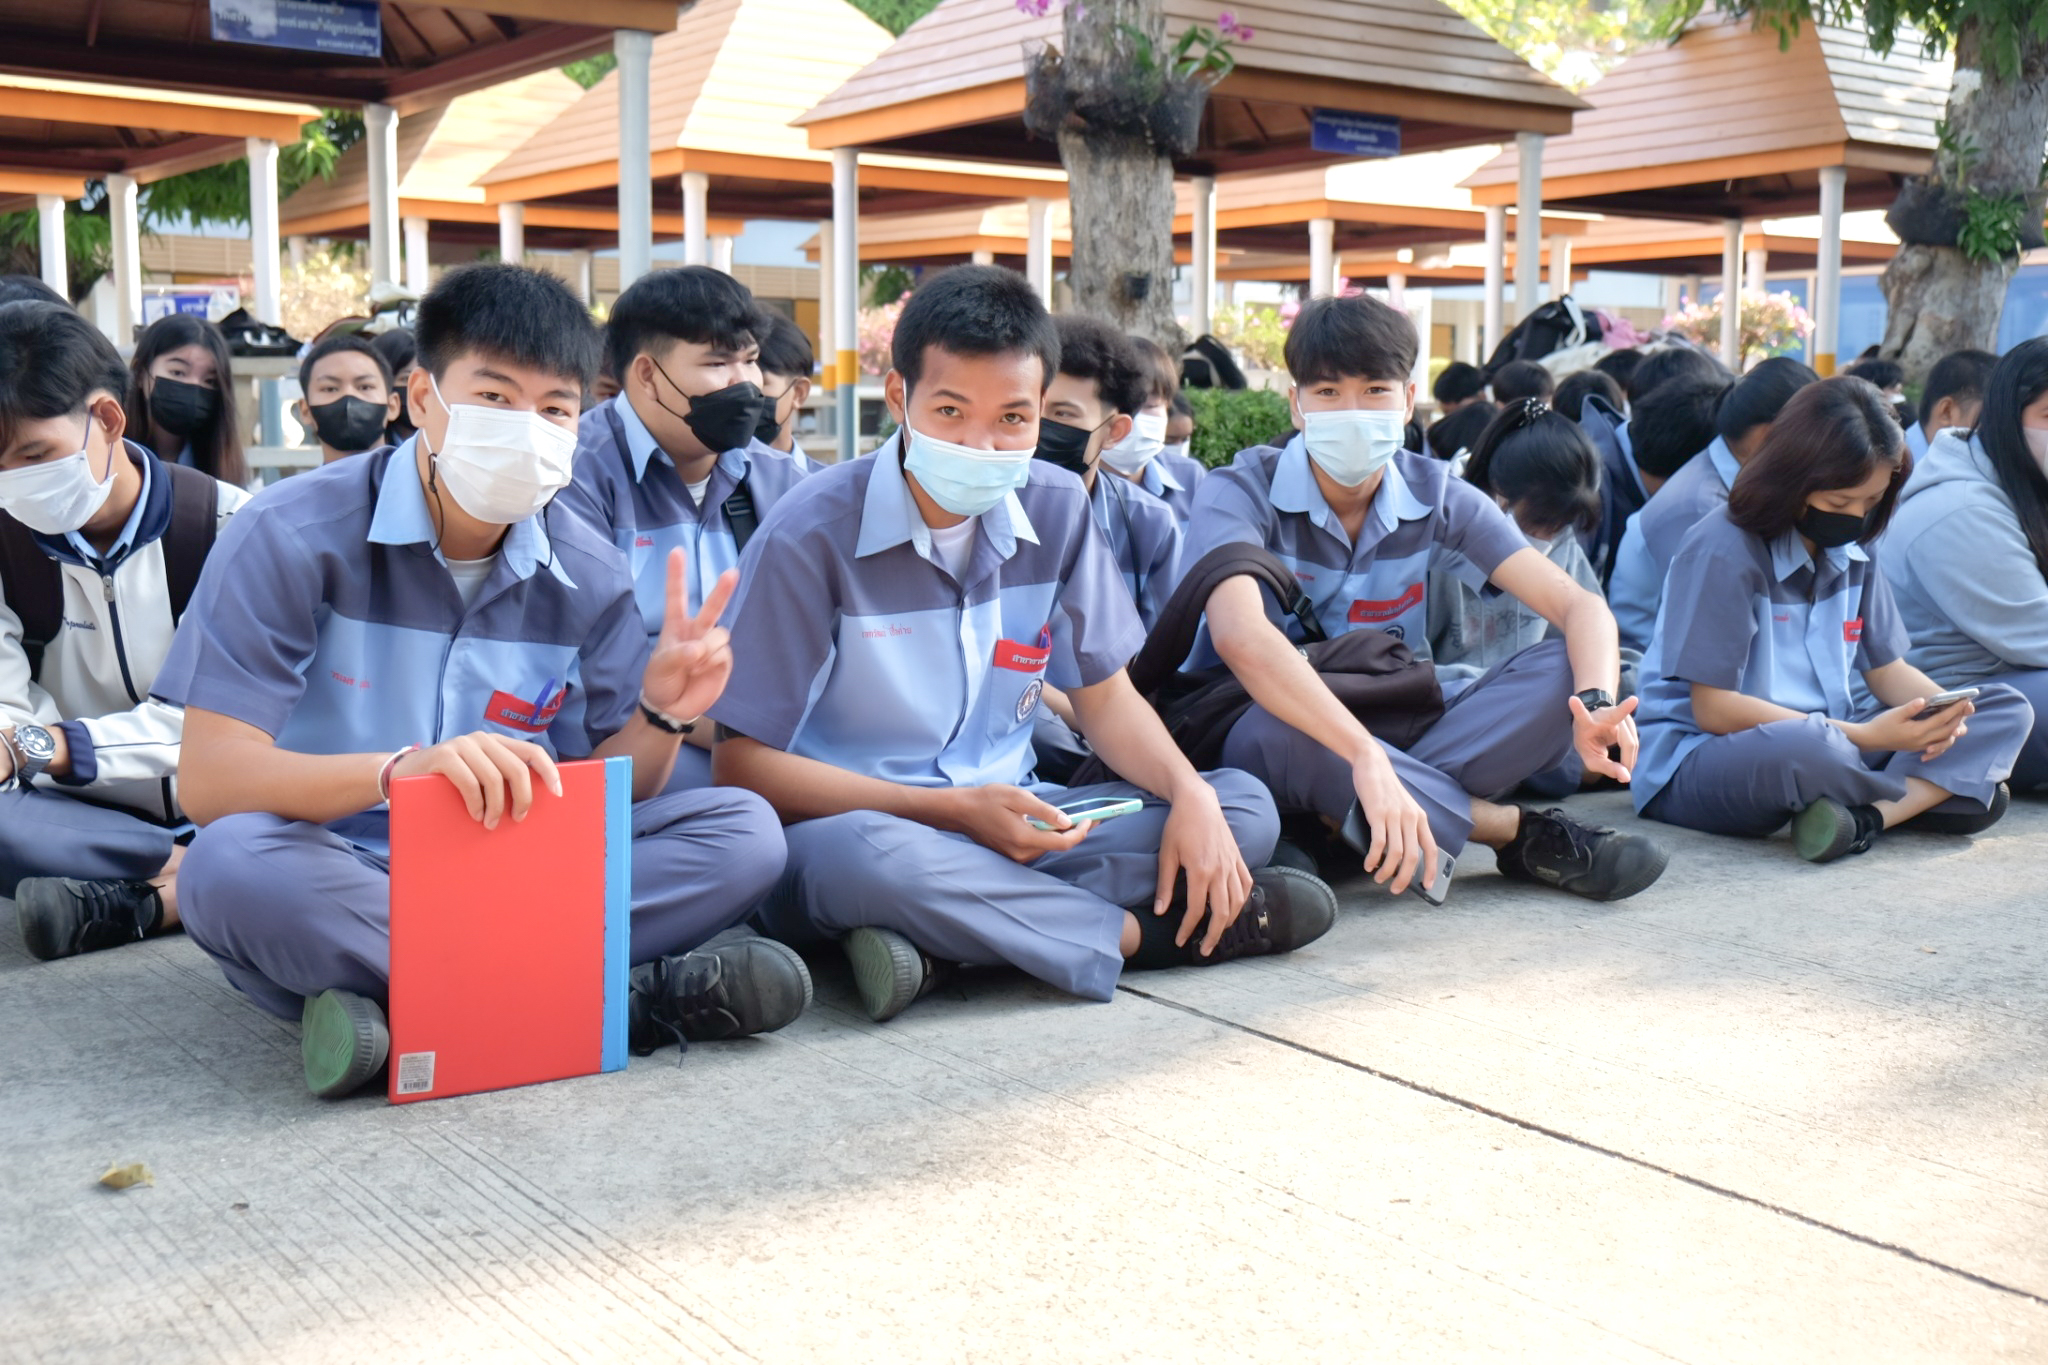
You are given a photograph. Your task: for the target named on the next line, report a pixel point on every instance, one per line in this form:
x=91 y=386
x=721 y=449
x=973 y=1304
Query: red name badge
x=1371 y=613
x=1852 y=630
x=1022 y=658
x=518 y=713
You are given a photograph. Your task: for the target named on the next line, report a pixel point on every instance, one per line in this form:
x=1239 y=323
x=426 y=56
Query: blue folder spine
x=618 y=906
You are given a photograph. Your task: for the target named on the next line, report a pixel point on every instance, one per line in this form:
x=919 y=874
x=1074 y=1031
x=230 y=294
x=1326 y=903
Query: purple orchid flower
x=1227 y=25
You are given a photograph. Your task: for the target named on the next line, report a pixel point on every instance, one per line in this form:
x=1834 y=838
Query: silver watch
x=34 y=750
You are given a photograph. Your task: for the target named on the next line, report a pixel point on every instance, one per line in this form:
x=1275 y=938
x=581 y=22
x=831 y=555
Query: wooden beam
x=596 y=175
x=494 y=64
x=42 y=182
x=356 y=218
x=138 y=110
x=1674 y=175
x=1490 y=119
x=955 y=109
x=652 y=16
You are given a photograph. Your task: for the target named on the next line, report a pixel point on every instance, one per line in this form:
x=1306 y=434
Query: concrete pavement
x=1763 y=1112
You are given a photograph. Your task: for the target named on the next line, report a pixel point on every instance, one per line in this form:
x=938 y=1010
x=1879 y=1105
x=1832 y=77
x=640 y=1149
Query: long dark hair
x=2017 y=380
x=1829 y=435
x=217 y=452
x=1541 y=462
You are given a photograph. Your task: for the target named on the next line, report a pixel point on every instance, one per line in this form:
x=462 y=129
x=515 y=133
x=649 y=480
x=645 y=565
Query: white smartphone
x=1105 y=808
x=1943 y=700
x=1435 y=895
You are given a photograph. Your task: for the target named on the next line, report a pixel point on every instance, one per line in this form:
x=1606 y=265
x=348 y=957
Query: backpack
x=1375 y=675
x=34 y=583
x=1208 y=364
x=1553 y=327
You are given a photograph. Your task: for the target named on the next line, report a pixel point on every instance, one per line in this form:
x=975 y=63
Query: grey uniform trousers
x=1753 y=781
x=1513 y=722
x=46 y=833
x=1059 y=918
x=290 y=909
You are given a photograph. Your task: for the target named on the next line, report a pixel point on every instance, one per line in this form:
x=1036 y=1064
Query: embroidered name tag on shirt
x=1852 y=630
x=518 y=713
x=1367 y=613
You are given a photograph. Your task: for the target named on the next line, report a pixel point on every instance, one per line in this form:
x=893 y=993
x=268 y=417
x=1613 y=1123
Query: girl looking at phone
x=1772 y=609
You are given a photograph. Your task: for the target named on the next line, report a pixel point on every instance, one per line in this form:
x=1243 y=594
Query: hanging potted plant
x=1160 y=98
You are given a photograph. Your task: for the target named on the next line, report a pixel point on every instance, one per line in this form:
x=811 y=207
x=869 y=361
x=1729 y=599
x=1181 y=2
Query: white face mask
x=501 y=466
x=2037 y=445
x=56 y=496
x=964 y=480
x=1135 y=451
x=1354 y=444
x=1179 y=448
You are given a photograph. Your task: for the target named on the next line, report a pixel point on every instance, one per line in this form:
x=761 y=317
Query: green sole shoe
x=344 y=1042
x=888 y=970
x=1823 y=831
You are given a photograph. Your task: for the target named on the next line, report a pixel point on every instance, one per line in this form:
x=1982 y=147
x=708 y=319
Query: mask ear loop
x=434 y=466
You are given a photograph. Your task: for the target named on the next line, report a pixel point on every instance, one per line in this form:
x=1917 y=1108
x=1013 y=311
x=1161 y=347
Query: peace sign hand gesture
x=693 y=658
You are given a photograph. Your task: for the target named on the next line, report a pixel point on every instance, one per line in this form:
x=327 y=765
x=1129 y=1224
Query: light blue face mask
x=961 y=479
x=1353 y=444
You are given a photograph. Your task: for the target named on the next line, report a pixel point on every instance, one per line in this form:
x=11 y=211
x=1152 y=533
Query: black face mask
x=724 y=419
x=1064 y=445
x=770 y=426
x=1830 y=529
x=180 y=408
x=350 y=423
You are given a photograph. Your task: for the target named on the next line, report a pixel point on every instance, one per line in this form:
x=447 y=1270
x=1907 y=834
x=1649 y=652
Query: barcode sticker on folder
x=415 y=1073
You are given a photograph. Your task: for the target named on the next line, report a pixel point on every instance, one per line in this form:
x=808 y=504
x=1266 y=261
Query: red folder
x=509 y=946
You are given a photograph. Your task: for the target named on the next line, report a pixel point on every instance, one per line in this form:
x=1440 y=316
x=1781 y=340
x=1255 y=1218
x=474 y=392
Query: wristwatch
x=1596 y=698
x=34 y=750
x=662 y=720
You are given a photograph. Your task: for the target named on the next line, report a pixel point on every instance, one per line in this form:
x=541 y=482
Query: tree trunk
x=1939 y=300
x=1119 y=185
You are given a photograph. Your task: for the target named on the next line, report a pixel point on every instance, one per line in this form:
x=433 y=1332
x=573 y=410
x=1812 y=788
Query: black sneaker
x=61 y=917
x=1554 y=849
x=1964 y=822
x=1287 y=853
x=734 y=987
x=1827 y=830
x=1288 y=909
x=344 y=1041
x=890 y=971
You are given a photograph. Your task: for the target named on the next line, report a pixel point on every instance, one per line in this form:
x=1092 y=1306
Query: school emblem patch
x=1028 y=703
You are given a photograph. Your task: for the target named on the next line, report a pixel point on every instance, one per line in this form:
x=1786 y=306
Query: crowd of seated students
x=864 y=701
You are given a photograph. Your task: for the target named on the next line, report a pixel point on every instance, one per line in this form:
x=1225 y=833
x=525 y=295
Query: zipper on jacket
x=120 y=645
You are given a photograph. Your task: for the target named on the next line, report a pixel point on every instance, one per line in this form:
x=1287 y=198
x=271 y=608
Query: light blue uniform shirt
x=1654 y=534
x=853 y=645
x=1144 y=538
x=1764 y=620
x=1173 y=480
x=327 y=618
x=1916 y=440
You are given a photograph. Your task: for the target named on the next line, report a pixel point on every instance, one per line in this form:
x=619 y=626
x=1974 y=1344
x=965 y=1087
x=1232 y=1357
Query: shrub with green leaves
x=1230 y=420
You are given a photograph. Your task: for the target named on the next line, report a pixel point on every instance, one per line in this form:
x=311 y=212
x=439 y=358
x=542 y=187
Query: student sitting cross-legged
x=1362 y=524
x=100 y=546
x=1772 y=609
x=370 y=620
x=898 y=621
x=674 y=462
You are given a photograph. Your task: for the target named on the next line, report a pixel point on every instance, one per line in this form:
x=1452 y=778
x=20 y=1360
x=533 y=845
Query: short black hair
x=785 y=350
x=1832 y=435
x=696 y=304
x=1542 y=463
x=1579 y=385
x=508 y=312
x=346 y=341
x=1449 y=435
x=1352 y=335
x=1759 y=396
x=1182 y=406
x=1886 y=374
x=28 y=289
x=1619 y=365
x=398 y=348
x=1672 y=361
x=1519 y=379
x=974 y=310
x=1459 y=383
x=1162 y=373
x=1960 y=375
x=51 y=361
x=1092 y=349
x=1674 y=422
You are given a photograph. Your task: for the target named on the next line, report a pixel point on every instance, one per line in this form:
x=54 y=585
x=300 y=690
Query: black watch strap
x=667 y=724
x=1596 y=698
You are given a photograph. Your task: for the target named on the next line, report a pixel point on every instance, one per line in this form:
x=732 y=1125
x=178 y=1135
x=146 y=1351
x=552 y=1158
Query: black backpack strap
x=1166 y=648
x=740 y=514
x=34 y=587
x=195 y=520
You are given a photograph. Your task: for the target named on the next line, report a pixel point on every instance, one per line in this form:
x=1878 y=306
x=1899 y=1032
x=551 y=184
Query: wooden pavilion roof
x=431 y=52
x=953 y=84
x=1723 y=124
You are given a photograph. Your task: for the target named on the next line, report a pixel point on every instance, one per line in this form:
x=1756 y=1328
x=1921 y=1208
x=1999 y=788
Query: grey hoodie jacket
x=1972 y=596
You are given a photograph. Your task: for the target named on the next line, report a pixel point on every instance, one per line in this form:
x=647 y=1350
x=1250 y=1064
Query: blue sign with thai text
x=342 y=28
x=1333 y=130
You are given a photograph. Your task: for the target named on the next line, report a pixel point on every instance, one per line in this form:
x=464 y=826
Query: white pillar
x=380 y=141
x=1731 y=294
x=828 y=331
x=1038 y=247
x=126 y=230
x=265 y=250
x=846 y=293
x=1496 y=280
x=1560 y=267
x=1397 y=290
x=295 y=249
x=983 y=256
x=1528 y=222
x=1827 y=310
x=1203 y=313
x=50 y=236
x=512 y=233
x=635 y=51
x=586 y=287
x=696 y=201
x=1758 y=270
x=418 y=273
x=1421 y=308
x=721 y=252
x=1322 y=257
